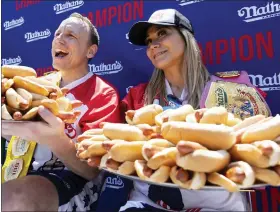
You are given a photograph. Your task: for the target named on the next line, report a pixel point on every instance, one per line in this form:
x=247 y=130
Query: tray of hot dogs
x=184 y=148
x=22 y=92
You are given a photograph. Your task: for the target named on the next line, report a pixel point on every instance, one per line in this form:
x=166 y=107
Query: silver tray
x=13 y=121
x=172 y=185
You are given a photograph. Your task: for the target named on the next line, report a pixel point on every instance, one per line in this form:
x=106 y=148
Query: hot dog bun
x=144 y=115
x=159 y=176
x=15 y=100
x=22 y=82
x=92 y=137
x=64 y=104
x=267 y=176
x=123 y=132
x=5 y=114
x=215 y=115
x=10 y=71
x=268 y=130
x=166 y=157
x=237 y=174
x=199 y=159
x=50 y=104
x=95 y=149
x=30 y=114
x=178 y=114
x=187 y=179
x=161 y=117
x=96 y=131
x=127 y=151
x=125 y=168
x=262 y=154
x=232 y=121
x=25 y=95
x=6 y=84
x=153 y=146
x=248 y=121
x=215 y=137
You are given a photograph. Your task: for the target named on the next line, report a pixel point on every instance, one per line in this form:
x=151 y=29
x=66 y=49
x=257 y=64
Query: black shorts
x=75 y=193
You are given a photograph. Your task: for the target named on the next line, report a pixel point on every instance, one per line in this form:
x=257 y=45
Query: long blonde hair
x=194 y=73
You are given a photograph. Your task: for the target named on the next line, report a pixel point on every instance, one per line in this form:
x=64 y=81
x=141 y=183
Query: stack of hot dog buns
x=22 y=92
x=190 y=148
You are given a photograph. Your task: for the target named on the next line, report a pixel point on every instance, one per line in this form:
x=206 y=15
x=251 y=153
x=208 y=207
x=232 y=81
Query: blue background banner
x=233 y=35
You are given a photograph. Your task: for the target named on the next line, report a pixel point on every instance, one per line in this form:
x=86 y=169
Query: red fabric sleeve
x=108 y=111
x=135 y=98
x=101 y=102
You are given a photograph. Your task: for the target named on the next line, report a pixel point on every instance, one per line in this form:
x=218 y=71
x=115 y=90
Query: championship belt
x=234 y=91
x=20 y=152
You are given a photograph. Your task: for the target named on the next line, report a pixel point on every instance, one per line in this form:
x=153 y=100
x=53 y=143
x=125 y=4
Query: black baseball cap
x=166 y=17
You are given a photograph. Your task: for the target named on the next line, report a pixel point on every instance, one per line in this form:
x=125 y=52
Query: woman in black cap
x=179 y=78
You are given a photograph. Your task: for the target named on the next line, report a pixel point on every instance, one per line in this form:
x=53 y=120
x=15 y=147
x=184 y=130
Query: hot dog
x=187 y=179
x=96 y=131
x=6 y=84
x=25 y=95
x=94 y=161
x=232 y=121
x=248 y=121
x=22 y=82
x=50 y=104
x=95 y=149
x=178 y=114
x=15 y=100
x=262 y=154
x=37 y=96
x=125 y=168
x=92 y=137
x=5 y=114
x=127 y=151
x=166 y=157
x=110 y=143
x=10 y=71
x=212 y=136
x=17 y=116
x=237 y=175
x=30 y=114
x=239 y=133
x=160 y=175
x=268 y=130
x=127 y=132
x=151 y=147
x=195 y=157
x=162 y=117
x=214 y=115
x=144 y=115
x=268 y=176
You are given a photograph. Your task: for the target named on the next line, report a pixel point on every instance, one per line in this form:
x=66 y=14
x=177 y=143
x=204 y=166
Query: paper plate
x=172 y=185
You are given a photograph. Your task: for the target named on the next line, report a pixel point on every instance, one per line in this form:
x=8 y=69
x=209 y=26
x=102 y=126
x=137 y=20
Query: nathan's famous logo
x=221 y=97
x=114 y=182
x=187 y=2
x=67 y=6
x=37 y=35
x=11 y=61
x=254 y=13
x=266 y=83
x=13 y=23
x=103 y=69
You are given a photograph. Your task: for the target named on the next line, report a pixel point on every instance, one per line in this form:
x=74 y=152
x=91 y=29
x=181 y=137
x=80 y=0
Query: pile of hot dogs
x=22 y=92
x=191 y=148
